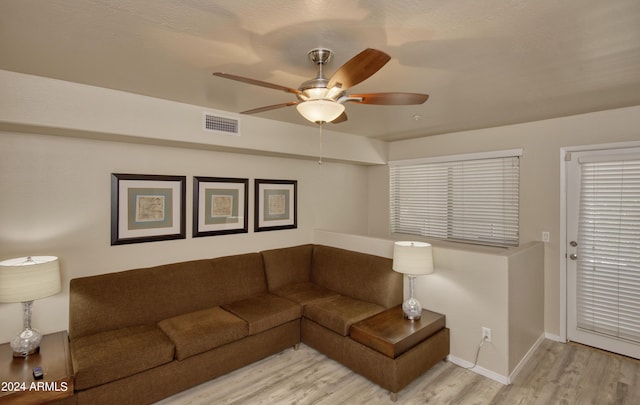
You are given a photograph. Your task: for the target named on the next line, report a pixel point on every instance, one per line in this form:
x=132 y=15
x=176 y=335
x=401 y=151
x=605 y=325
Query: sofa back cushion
x=357 y=275
x=149 y=295
x=291 y=265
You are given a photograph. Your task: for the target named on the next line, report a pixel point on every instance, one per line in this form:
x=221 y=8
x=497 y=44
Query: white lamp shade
x=415 y=258
x=320 y=110
x=29 y=278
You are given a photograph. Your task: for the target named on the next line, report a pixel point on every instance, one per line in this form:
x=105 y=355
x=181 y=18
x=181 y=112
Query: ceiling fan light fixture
x=320 y=110
x=315 y=93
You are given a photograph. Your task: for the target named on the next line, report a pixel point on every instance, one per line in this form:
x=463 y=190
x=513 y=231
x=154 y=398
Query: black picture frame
x=147 y=208
x=220 y=206
x=276 y=205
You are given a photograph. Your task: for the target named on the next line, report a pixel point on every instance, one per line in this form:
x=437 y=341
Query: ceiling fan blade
x=359 y=68
x=390 y=98
x=269 y=107
x=257 y=82
x=341 y=118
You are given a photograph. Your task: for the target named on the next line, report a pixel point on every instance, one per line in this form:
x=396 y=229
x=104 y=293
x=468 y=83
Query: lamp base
x=24 y=355
x=26 y=343
x=412 y=309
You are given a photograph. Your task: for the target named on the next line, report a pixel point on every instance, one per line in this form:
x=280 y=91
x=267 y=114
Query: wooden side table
x=17 y=385
x=391 y=334
x=393 y=351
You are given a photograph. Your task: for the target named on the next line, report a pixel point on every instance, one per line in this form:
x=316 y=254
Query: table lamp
x=413 y=259
x=24 y=280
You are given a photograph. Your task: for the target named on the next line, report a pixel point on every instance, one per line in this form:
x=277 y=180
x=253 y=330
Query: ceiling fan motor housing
x=319 y=57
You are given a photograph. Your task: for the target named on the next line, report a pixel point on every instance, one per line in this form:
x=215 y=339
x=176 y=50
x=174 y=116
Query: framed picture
x=147 y=208
x=276 y=205
x=220 y=206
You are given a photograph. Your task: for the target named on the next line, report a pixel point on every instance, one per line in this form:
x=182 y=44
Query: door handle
x=573 y=256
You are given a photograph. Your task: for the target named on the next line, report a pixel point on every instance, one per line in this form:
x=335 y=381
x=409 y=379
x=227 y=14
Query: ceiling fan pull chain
x=320 y=159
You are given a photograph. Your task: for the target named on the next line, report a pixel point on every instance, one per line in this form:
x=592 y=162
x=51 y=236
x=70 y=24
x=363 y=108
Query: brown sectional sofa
x=138 y=336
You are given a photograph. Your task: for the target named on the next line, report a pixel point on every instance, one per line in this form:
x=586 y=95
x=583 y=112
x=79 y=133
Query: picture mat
x=236 y=190
x=288 y=217
x=172 y=224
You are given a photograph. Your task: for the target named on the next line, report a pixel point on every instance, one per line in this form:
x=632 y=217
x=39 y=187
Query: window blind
x=471 y=200
x=608 y=268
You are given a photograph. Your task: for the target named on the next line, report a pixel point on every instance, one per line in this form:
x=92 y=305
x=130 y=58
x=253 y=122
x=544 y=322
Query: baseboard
x=479 y=370
x=506 y=380
x=555 y=338
x=526 y=358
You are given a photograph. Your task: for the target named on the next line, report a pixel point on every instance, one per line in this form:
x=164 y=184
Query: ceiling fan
x=322 y=100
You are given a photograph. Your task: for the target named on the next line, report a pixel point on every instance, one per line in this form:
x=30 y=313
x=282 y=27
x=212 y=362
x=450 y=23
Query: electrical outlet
x=486 y=334
x=545 y=236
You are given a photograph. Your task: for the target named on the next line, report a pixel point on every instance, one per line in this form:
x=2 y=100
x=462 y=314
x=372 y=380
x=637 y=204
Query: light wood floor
x=557 y=374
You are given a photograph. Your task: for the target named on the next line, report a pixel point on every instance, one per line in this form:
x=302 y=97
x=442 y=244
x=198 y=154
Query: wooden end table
x=17 y=385
x=390 y=334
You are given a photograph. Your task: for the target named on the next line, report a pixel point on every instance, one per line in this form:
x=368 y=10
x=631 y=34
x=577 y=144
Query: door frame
x=565 y=153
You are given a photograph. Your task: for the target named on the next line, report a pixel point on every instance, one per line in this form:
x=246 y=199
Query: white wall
x=526 y=302
x=539 y=176
x=56 y=201
x=470 y=288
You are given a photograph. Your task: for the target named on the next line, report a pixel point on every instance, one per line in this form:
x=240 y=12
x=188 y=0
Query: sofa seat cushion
x=340 y=312
x=200 y=331
x=111 y=355
x=264 y=311
x=304 y=292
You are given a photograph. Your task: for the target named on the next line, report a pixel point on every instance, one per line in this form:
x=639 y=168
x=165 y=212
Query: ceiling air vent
x=225 y=125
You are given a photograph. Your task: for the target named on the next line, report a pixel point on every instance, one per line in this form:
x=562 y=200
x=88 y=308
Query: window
x=471 y=198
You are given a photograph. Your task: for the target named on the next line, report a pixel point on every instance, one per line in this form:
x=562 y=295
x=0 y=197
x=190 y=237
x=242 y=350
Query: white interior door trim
x=564 y=153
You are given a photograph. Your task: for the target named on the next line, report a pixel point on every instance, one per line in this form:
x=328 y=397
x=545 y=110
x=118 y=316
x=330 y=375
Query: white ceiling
x=483 y=62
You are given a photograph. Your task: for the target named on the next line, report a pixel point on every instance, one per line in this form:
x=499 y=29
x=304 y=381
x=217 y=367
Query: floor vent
x=217 y=123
